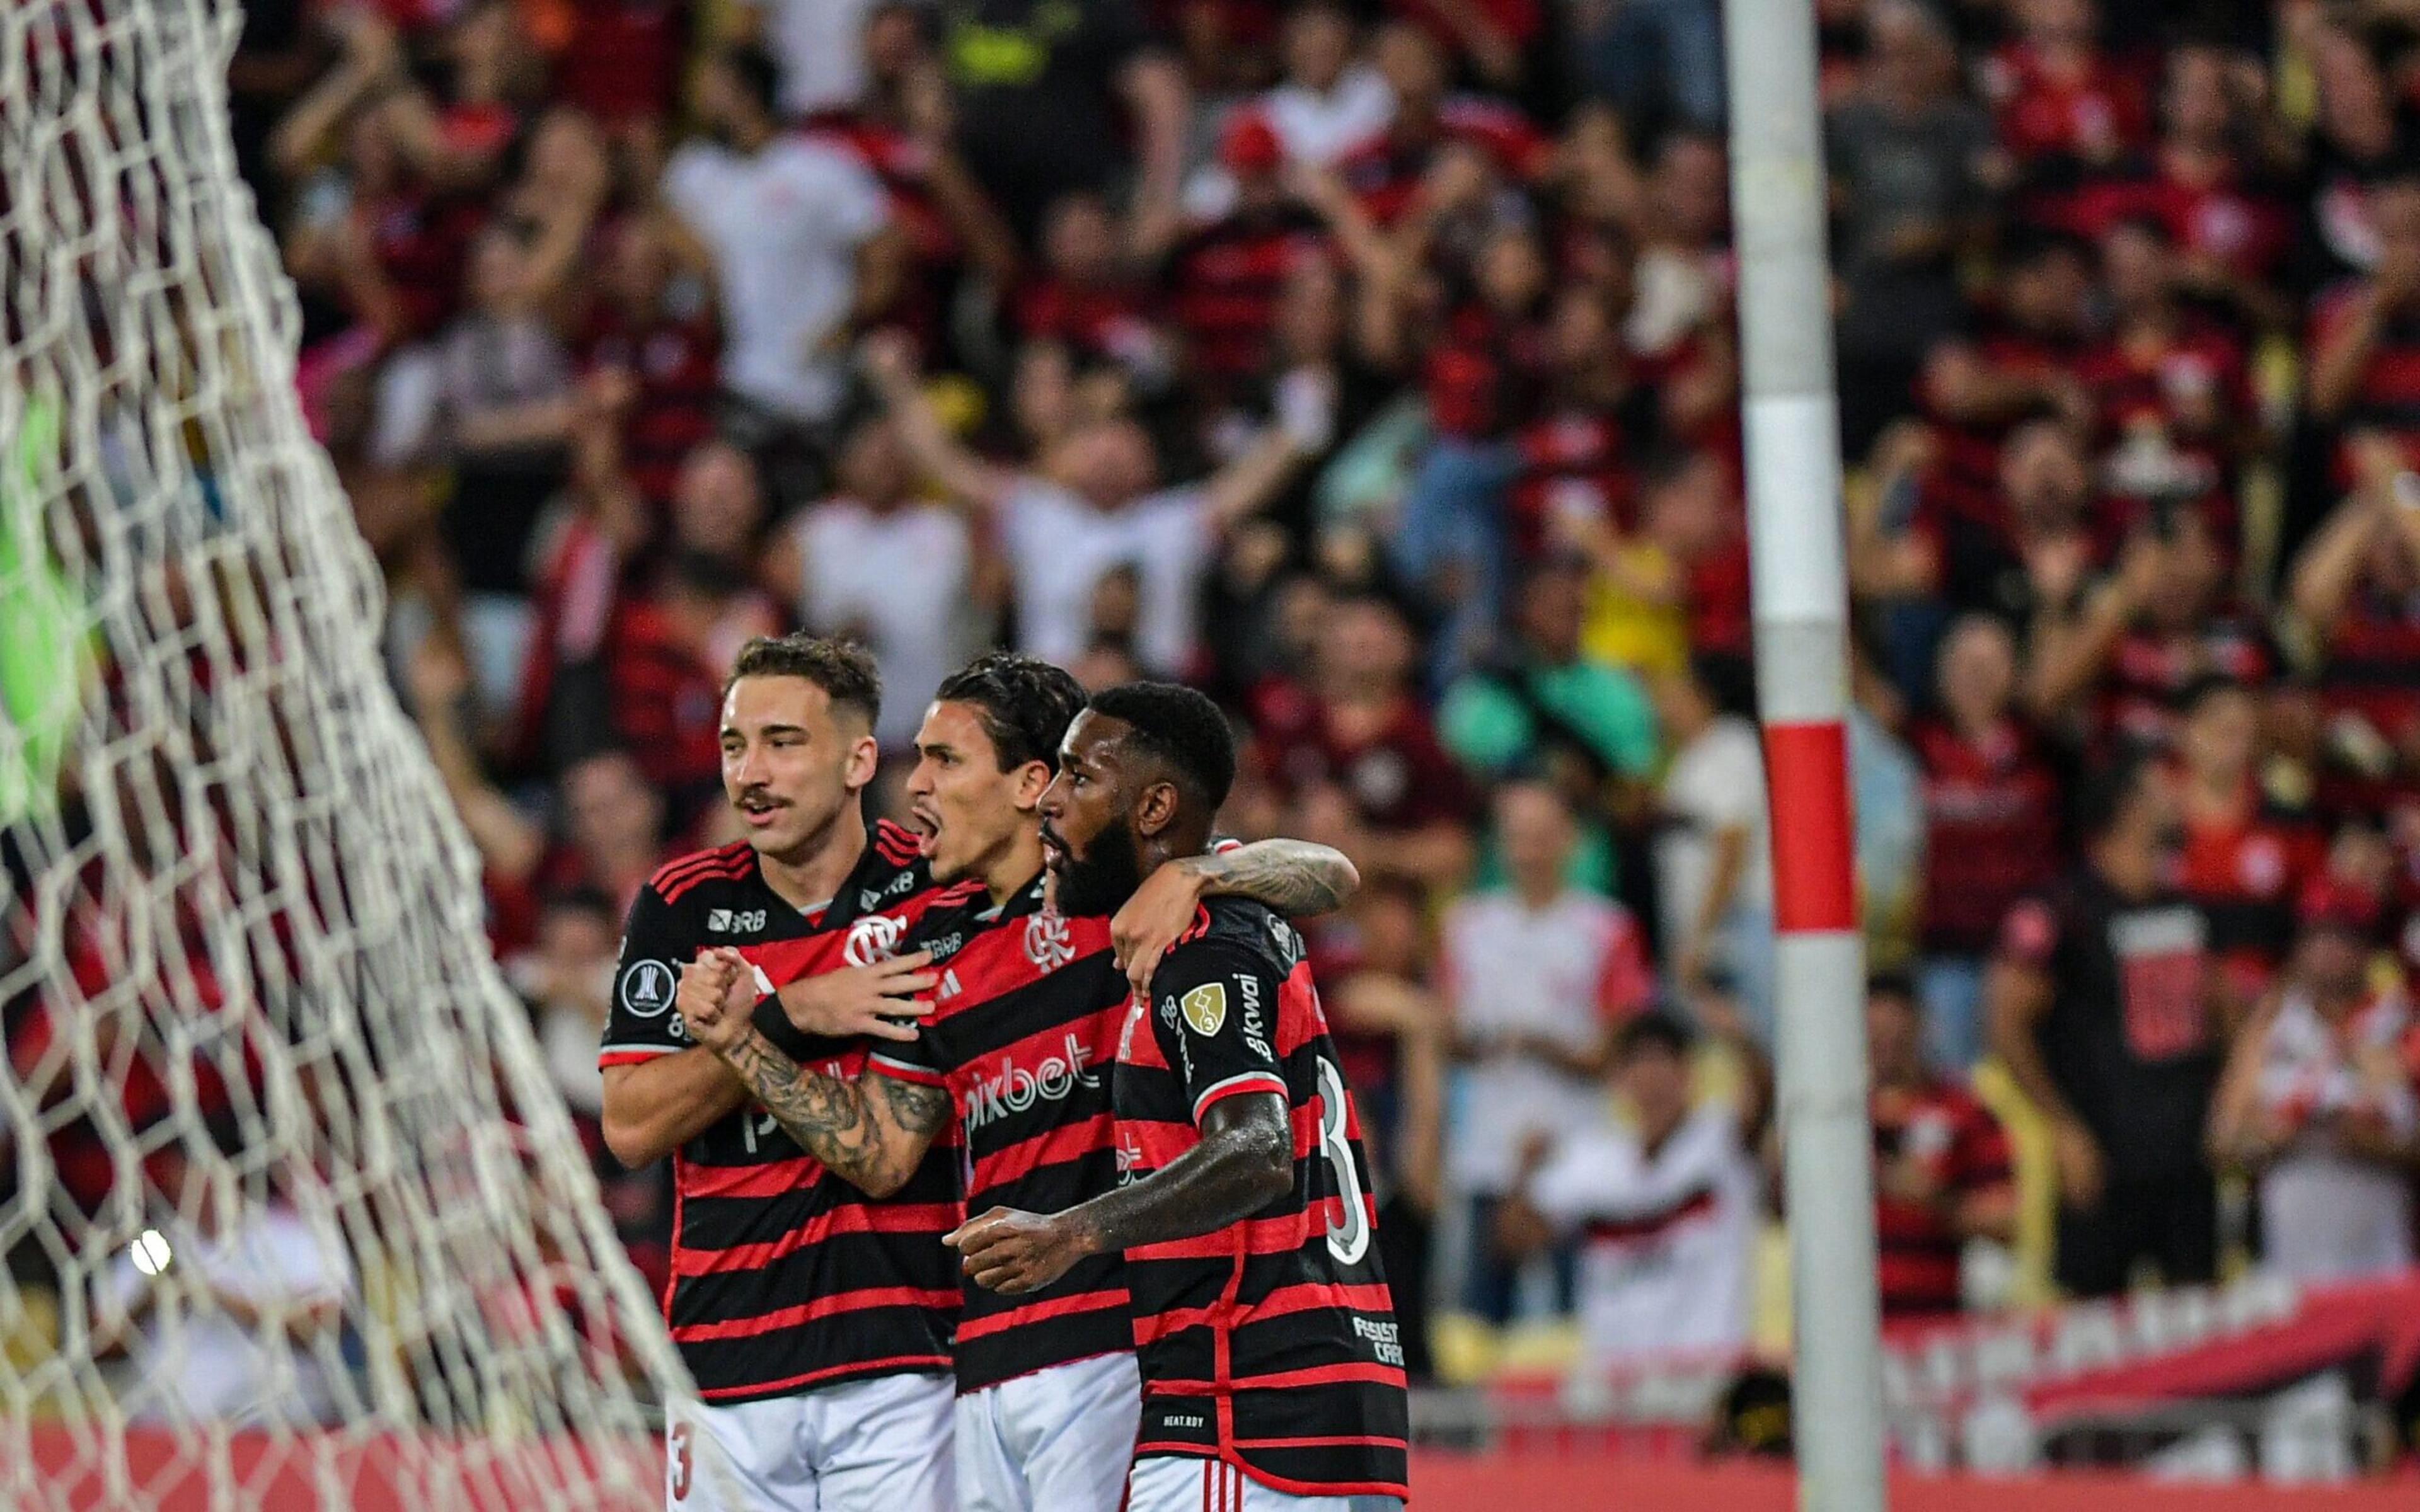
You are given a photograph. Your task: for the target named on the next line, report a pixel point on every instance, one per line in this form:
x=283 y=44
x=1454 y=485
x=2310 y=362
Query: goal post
x=269 y=1113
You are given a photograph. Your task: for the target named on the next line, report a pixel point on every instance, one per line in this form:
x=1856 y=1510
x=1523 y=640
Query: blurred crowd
x=1371 y=364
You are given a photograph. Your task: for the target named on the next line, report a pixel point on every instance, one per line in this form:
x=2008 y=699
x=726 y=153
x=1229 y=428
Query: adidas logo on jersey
x=950 y=987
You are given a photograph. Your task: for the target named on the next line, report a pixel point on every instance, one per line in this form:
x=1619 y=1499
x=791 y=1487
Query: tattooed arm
x=1295 y=877
x=1244 y=1162
x=871 y=1132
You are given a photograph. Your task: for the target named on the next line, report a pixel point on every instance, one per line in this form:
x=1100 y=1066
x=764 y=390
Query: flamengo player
x=1021 y=1034
x=1272 y=1374
x=814 y=1320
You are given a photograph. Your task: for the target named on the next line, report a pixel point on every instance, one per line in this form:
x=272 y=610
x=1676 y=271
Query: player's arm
x=661 y=1090
x=1244 y=1162
x=1292 y=877
x=872 y=1130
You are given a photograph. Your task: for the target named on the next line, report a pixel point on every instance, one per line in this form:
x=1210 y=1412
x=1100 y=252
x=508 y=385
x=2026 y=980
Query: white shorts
x=878 y=1446
x=1174 y=1483
x=1057 y=1441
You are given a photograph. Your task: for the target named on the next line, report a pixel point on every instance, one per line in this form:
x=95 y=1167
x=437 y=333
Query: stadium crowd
x=1371 y=365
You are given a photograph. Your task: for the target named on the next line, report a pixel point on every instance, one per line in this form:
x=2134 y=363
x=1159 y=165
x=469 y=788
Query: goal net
x=291 y=1213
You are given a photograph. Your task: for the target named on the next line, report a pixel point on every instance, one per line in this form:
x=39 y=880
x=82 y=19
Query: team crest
x=1205 y=1007
x=874 y=937
x=1047 y=943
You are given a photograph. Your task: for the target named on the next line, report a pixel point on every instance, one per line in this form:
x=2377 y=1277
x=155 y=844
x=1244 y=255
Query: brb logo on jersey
x=874 y=937
x=1047 y=943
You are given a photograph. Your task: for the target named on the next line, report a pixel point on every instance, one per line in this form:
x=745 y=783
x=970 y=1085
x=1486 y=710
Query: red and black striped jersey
x=1023 y=1034
x=785 y=1279
x=1270 y=1344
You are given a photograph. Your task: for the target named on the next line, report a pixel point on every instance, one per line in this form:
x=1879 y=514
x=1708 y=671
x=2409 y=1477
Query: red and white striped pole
x=1801 y=601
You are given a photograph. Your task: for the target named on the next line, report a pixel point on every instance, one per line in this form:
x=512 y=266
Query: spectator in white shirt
x=1093 y=507
x=1713 y=860
x=892 y=571
x=229 y=1310
x=2317 y=1102
x=1538 y=975
x=800 y=236
x=1665 y=1210
x=820 y=45
x=1330 y=104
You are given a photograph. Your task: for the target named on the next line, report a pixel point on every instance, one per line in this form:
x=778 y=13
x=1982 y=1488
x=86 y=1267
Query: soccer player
x=814 y=1320
x=1025 y=1023
x=1272 y=1370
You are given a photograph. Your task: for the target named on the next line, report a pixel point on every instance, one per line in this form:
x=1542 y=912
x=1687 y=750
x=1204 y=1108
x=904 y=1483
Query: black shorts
x=2171 y=1221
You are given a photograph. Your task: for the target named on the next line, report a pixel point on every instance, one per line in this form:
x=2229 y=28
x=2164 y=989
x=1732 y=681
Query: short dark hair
x=758 y=72
x=1727 y=679
x=1894 y=984
x=1655 y=1030
x=1179 y=726
x=843 y=669
x=1024 y=703
x=2106 y=792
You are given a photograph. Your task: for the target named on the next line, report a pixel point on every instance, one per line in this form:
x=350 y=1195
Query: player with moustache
x=814 y=1320
x=1017 y=1040
x=1272 y=1368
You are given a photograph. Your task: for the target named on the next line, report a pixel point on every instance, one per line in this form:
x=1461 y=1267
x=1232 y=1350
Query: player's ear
x=1032 y=781
x=864 y=760
x=1154 y=807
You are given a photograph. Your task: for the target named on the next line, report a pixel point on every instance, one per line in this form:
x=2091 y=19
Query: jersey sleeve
x=918 y=1061
x=1215 y=1014
x=642 y=1024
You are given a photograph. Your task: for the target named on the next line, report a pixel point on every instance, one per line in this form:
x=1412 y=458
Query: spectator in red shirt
x=1225 y=277
x=2019 y=365
x=1085 y=297
x=1991 y=809
x=622 y=62
x=2065 y=105
x=1486 y=376
x=2246 y=857
x=1356 y=758
x=1385 y=174
x=2365 y=342
x=2173 y=391
x=1574 y=452
x=656 y=324
x=2356 y=591
x=1942 y=1170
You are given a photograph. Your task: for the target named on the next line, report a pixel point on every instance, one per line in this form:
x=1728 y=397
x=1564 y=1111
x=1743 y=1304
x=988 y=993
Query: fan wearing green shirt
x=1540 y=706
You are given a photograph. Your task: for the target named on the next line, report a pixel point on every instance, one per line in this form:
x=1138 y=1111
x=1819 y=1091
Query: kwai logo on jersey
x=1017 y=1088
x=1047 y=943
x=874 y=937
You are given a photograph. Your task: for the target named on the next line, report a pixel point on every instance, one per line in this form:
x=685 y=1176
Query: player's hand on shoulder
x=715 y=995
x=1156 y=917
x=869 y=1001
x=1010 y=1251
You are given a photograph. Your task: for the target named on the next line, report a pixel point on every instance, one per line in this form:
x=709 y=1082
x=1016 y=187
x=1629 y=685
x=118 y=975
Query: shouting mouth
x=758 y=810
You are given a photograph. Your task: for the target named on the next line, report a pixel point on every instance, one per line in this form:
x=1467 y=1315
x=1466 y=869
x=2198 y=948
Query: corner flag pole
x=1799 y=588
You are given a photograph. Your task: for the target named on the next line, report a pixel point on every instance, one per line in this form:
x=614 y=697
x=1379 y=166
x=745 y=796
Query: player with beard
x=814 y=1320
x=1272 y=1370
x=1021 y=1029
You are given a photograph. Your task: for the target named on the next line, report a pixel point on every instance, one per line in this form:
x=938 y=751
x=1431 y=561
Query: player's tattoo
x=920 y=1110
x=1244 y=1162
x=836 y=1121
x=1294 y=877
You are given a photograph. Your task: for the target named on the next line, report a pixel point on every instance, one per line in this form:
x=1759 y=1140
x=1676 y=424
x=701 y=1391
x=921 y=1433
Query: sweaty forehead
x=1095 y=740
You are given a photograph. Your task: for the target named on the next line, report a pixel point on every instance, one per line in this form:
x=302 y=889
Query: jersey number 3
x=1348 y=1237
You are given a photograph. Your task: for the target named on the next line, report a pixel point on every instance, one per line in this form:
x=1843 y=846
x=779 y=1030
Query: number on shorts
x=1348 y=1239
x=680 y=1462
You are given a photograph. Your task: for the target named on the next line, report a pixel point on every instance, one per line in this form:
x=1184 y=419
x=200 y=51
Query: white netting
x=275 y=1144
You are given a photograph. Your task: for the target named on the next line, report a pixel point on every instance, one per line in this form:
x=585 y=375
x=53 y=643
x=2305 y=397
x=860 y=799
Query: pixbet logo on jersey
x=1015 y=1088
x=874 y=937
